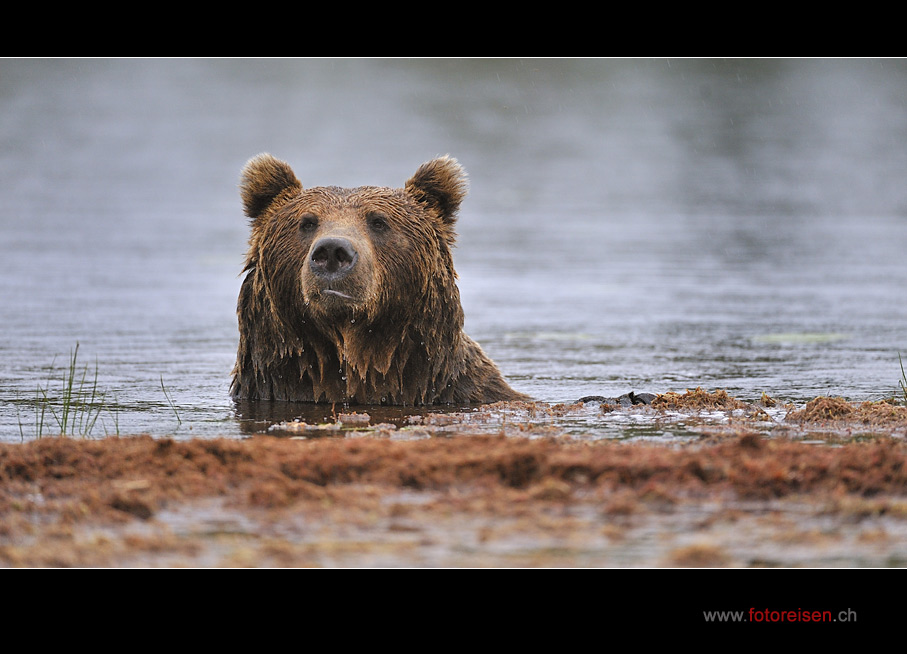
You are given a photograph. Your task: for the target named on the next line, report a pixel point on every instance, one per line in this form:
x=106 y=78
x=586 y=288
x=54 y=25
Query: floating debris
x=303 y=427
x=354 y=418
x=836 y=409
x=698 y=399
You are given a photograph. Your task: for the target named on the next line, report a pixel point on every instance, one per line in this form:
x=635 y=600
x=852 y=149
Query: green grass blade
x=170 y=402
x=903 y=381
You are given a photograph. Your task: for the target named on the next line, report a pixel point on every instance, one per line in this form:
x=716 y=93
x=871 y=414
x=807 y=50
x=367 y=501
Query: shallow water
x=632 y=225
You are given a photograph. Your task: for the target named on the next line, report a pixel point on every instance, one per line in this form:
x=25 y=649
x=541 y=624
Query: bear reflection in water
x=350 y=294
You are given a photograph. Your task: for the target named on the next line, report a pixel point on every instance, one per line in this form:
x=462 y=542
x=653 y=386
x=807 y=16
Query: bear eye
x=377 y=222
x=308 y=223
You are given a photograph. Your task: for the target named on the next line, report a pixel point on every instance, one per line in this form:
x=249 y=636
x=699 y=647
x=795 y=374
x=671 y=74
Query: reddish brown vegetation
x=698 y=399
x=51 y=487
x=832 y=409
x=438 y=495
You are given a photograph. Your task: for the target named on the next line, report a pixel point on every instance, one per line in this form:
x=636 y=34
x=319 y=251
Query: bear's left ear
x=441 y=184
x=262 y=180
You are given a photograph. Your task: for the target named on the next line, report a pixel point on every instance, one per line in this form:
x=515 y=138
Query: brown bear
x=350 y=294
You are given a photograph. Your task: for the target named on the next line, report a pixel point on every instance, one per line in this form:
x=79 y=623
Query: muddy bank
x=738 y=497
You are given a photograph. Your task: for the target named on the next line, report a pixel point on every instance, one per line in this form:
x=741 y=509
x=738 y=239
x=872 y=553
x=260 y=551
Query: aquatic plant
x=170 y=402
x=114 y=411
x=903 y=381
x=40 y=411
x=77 y=408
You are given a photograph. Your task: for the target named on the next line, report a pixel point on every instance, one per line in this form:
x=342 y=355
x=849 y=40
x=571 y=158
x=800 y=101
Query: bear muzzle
x=334 y=271
x=333 y=258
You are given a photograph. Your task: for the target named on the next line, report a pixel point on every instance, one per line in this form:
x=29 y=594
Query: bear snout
x=333 y=258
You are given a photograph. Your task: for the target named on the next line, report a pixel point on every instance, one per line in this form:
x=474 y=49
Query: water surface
x=646 y=225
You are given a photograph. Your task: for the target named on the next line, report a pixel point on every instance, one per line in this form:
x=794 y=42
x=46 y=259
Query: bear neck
x=403 y=356
x=407 y=355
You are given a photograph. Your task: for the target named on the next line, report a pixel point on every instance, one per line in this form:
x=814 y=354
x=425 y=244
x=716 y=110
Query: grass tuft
x=903 y=381
x=77 y=407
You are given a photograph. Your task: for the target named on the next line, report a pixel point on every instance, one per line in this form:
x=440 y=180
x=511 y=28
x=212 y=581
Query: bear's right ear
x=440 y=184
x=263 y=179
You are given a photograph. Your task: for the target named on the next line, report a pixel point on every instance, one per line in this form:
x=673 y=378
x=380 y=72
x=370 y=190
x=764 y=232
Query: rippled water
x=632 y=225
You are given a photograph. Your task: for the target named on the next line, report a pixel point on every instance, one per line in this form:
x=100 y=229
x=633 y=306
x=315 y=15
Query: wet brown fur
x=389 y=333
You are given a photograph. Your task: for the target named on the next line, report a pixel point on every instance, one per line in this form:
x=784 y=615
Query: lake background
x=645 y=225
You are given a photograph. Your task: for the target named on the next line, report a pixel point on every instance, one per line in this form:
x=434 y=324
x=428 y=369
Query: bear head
x=351 y=293
x=333 y=253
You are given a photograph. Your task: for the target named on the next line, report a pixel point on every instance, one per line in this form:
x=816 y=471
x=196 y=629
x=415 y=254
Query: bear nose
x=333 y=258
